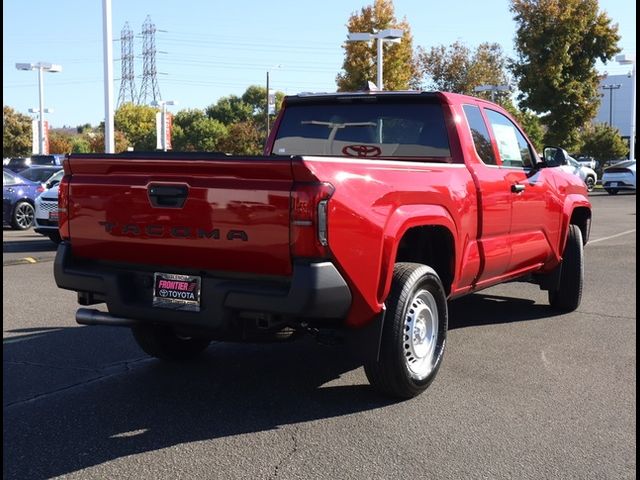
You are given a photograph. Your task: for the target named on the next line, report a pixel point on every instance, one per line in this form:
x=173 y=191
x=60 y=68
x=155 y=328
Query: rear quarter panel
x=375 y=202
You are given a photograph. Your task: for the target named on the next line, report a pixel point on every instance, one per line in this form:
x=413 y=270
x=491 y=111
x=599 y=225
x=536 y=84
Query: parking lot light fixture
x=493 y=89
x=41 y=67
x=393 y=35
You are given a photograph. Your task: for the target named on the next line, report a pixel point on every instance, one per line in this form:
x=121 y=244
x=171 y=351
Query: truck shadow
x=77 y=397
x=483 y=309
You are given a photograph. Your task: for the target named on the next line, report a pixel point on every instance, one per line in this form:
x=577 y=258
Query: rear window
x=37 y=174
x=364 y=130
x=43 y=160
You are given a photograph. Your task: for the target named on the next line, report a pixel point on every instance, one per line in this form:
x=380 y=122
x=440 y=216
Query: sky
x=208 y=49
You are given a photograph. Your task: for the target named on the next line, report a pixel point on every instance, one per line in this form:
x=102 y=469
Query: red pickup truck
x=366 y=214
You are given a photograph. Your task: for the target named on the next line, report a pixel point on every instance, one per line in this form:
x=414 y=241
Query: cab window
x=480 y=134
x=513 y=148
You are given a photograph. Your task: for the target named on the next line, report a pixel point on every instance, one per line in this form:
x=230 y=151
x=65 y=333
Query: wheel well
x=581 y=217
x=430 y=245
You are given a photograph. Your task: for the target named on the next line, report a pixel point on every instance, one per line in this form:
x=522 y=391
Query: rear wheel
x=568 y=295
x=163 y=343
x=414 y=333
x=23 y=215
x=612 y=191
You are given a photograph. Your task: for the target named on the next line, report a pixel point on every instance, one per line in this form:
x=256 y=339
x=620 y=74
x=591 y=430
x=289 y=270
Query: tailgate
x=229 y=214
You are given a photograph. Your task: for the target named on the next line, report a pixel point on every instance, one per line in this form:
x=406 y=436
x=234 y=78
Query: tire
x=416 y=310
x=23 y=216
x=569 y=293
x=591 y=183
x=54 y=237
x=163 y=343
x=612 y=191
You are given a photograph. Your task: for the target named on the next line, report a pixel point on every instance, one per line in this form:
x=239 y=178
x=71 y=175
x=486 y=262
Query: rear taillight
x=63 y=207
x=309 y=219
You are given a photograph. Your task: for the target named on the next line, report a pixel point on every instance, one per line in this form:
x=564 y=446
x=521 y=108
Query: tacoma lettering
x=135 y=230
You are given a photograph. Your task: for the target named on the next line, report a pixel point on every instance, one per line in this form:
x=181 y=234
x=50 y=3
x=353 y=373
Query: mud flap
x=364 y=343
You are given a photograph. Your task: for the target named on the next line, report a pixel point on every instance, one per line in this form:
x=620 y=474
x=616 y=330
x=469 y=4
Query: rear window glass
x=364 y=130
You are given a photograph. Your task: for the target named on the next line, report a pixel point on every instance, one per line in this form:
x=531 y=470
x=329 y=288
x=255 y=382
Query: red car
x=366 y=214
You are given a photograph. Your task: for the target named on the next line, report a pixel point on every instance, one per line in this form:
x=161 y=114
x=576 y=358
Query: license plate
x=176 y=292
x=53 y=215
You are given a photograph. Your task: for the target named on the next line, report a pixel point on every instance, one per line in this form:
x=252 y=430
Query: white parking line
x=612 y=236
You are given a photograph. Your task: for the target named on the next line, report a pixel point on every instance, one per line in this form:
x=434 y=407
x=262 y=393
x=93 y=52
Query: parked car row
x=30 y=198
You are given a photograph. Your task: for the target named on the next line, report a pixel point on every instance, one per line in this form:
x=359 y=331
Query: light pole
x=493 y=89
x=611 y=88
x=163 y=121
x=41 y=67
x=393 y=35
x=631 y=60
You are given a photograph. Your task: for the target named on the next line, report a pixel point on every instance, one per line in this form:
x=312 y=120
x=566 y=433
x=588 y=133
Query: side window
x=7 y=179
x=480 y=134
x=513 y=147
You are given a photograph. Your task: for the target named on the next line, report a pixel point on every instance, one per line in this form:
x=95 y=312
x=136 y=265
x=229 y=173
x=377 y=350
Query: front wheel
x=414 y=333
x=591 y=183
x=165 y=344
x=567 y=297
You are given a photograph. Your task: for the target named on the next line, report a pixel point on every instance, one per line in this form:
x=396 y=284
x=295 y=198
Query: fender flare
x=571 y=203
x=400 y=221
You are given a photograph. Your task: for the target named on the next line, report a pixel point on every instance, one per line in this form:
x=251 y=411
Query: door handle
x=517 y=188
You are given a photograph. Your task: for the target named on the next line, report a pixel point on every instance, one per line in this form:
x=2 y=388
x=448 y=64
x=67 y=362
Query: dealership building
x=616 y=103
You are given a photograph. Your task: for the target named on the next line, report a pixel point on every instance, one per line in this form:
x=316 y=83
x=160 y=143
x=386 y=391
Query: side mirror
x=51 y=184
x=554 y=157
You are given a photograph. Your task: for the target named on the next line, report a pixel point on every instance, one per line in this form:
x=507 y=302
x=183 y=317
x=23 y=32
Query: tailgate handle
x=168 y=196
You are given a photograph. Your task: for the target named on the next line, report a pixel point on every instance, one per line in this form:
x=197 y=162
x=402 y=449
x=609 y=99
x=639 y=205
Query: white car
x=588 y=175
x=620 y=176
x=46 y=217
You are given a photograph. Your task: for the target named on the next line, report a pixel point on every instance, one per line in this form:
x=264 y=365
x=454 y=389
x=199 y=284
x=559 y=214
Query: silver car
x=588 y=175
x=620 y=176
x=46 y=219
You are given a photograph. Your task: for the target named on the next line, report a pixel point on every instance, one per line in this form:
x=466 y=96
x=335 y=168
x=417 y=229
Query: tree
x=60 y=142
x=80 y=144
x=256 y=97
x=231 y=109
x=558 y=43
x=243 y=139
x=603 y=143
x=138 y=124
x=96 y=142
x=194 y=131
x=16 y=133
x=457 y=69
x=400 y=68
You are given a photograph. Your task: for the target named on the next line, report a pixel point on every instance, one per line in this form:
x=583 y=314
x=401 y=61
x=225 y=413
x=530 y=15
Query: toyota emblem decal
x=362 y=151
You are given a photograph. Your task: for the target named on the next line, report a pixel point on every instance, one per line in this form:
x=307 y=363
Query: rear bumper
x=316 y=291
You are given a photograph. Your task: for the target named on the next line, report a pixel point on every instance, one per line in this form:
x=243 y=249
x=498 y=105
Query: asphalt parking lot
x=522 y=393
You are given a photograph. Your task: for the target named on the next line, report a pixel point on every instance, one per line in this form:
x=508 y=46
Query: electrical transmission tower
x=127 y=78
x=150 y=89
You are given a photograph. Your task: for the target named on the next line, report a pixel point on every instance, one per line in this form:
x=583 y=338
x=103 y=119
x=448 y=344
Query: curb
x=27 y=261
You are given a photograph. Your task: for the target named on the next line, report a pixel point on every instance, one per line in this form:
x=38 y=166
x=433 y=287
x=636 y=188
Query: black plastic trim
x=316 y=291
